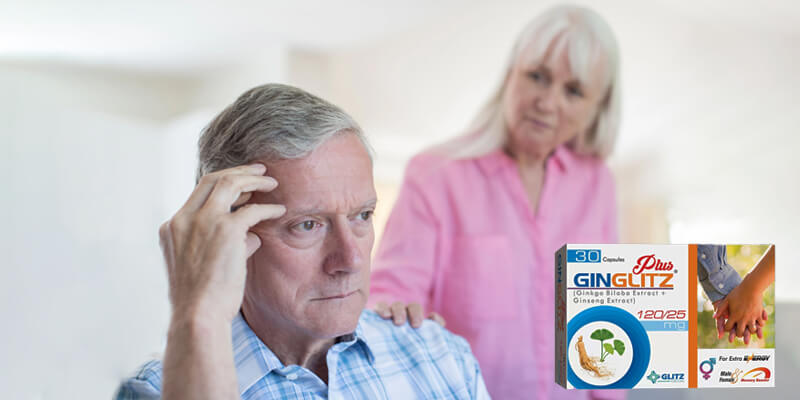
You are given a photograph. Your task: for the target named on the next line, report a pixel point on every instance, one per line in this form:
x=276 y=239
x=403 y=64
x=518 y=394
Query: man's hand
x=206 y=244
x=400 y=312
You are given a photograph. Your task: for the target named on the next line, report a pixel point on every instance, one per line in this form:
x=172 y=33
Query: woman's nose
x=546 y=100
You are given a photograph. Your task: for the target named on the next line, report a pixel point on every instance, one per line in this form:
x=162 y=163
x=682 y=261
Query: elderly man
x=268 y=265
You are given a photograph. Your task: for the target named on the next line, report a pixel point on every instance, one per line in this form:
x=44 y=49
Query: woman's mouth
x=539 y=123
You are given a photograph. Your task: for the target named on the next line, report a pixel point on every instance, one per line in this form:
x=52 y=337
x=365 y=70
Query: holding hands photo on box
x=738 y=305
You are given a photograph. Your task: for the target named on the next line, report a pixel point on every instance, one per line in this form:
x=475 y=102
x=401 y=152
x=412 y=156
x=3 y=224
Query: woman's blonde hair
x=587 y=39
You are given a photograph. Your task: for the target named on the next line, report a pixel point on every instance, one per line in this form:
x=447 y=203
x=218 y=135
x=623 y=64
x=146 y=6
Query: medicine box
x=642 y=316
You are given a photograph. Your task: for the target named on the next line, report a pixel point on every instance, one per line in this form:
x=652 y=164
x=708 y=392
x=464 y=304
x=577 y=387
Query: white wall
x=93 y=162
x=81 y=276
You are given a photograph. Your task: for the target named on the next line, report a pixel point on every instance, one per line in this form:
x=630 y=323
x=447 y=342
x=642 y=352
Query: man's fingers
x=415 y=315
x=253 y=243
x=383 y=309
x=747 y=336
x=251 y=214
x=241 y=200
x=398 y=313
x=731 y=336
x=760 y=332
x=436 y=317
x=229 y=187
x=207 y=182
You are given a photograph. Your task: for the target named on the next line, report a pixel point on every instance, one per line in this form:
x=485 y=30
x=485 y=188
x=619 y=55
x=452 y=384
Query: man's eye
x=366 y=215
x=306 y=226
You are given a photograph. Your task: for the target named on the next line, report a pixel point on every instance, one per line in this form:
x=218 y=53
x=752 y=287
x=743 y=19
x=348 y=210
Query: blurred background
x=101 y=104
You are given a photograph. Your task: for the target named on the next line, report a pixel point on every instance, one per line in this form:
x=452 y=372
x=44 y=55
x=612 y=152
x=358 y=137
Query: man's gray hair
x=268 y=123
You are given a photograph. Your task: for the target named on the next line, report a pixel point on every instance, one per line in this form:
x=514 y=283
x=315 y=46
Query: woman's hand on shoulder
x=411 y=312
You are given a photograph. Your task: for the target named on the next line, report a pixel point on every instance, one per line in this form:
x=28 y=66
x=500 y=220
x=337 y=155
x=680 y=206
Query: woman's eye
x=574 y=91
x=535 y=75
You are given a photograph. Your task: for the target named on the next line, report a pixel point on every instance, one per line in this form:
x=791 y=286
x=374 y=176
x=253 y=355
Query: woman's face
x=546 y=105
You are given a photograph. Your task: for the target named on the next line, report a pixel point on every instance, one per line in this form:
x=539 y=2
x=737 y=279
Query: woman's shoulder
x=429 y=160
x=587 y=167
x=431 y=167
x=434 y=166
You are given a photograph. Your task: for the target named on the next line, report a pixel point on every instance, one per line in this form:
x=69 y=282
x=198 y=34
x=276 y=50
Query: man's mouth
x=338 y=296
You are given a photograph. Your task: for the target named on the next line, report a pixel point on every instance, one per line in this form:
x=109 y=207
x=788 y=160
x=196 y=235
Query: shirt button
x=291 y=376
x=703 y=255
x=721 y=285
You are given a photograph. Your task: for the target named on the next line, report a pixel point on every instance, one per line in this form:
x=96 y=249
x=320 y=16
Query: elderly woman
x=477 y=221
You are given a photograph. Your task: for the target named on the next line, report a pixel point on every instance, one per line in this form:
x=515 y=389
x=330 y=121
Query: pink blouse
x=463 y=241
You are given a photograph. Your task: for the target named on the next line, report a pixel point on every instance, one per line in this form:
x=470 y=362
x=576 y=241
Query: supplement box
x=655 y=315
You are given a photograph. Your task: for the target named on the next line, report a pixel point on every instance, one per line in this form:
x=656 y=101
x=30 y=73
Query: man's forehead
x=318 y=197
x=338 y=174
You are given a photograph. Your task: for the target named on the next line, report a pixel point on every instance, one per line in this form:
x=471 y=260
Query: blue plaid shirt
x=377 y=361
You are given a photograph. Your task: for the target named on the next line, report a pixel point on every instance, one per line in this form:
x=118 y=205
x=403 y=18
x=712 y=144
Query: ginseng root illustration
x=606 y=349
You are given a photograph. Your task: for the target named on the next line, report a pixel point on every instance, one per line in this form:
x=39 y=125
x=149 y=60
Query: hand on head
x=206 y=244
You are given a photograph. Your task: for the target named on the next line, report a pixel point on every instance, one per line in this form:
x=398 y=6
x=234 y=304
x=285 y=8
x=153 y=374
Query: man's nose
x=344 y=254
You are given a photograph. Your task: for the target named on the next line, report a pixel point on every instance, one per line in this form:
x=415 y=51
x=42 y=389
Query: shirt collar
x=496 y=160
x=360 y=336
x=254 y=360
x=563 y=157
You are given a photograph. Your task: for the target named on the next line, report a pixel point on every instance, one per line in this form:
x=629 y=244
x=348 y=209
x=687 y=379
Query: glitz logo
x=651 y=262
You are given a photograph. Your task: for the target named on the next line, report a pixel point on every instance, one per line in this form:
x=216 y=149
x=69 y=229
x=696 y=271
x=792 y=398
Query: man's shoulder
x=430 y=353
x=144 y=384
x=429 y=340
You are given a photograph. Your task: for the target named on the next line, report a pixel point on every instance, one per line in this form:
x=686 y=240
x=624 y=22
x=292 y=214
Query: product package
x=643 y=316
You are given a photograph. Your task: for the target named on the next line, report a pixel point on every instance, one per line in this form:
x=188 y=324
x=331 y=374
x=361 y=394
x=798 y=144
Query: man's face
x=311 y=274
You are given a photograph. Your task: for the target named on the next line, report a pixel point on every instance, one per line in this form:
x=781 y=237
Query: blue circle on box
x=640 y=343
